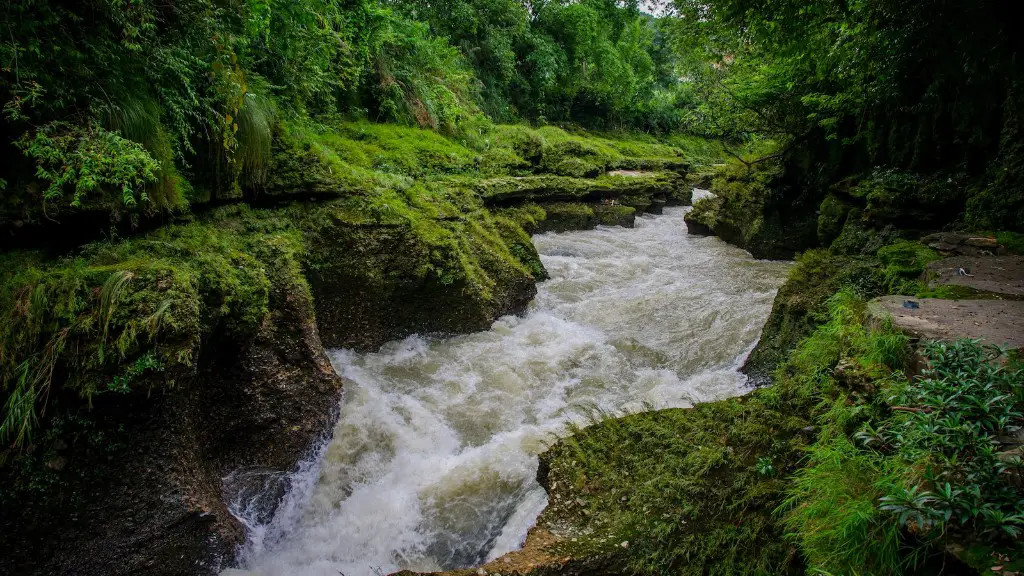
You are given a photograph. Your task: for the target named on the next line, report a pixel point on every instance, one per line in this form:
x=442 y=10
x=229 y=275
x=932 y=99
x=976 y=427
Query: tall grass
x=138 y=119
x=257 y=119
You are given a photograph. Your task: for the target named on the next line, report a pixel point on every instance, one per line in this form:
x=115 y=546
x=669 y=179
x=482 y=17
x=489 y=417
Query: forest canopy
x=151 y=106
x=144 y=97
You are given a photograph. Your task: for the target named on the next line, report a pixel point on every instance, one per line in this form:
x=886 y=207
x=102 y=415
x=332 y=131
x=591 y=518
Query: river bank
x=805 y=474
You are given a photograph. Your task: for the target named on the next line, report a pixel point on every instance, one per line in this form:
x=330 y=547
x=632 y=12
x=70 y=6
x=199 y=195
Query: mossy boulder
x=615 y=215
x=527 y=216
x=515 y=236
x=676 y=491
x=566 y=216
x=859 y=237
x=753 y=209
x=638 y=202
x=509 y=190
x=382 y=279
x=831 y=218
x=198 y=351
x=911 y=200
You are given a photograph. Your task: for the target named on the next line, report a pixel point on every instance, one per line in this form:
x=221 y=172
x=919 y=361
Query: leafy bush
x=950 y=426
x=91 y=162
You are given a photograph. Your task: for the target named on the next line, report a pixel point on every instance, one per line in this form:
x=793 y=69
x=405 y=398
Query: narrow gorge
x=433 y=462
x=511 y=287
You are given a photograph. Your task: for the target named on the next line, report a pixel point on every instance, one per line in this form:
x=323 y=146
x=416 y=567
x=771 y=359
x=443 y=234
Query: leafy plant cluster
x=901 y=466
x=953 y=425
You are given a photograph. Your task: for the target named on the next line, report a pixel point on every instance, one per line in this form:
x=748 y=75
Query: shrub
x=950 y=425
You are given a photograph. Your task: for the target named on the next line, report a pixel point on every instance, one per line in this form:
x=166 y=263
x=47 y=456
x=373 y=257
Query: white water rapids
x=433 y=461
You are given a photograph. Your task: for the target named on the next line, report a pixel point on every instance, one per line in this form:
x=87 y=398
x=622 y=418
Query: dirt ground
x=999 y=322
x=1002 y=274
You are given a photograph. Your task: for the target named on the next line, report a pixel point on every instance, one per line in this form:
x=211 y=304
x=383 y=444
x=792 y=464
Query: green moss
x=831 y=219
x=425 y=258
x=505 y=190
x=401 y=259
x=521 y=246
x=897 y=197
x=802 y=304
x=512 y=150
x=904 y=264
x=639 y=202
x=749 y=211
x=709 y=490
x=615 y=215
x=1014 y=241
x=587 y=155
x=84 y=323
x=679 y=486
x=957 y=292
x=527 y=216
x=566 y=216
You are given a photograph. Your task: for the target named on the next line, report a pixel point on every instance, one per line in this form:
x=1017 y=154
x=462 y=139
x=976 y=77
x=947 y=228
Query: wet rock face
x=141 y=488
x=964 y=244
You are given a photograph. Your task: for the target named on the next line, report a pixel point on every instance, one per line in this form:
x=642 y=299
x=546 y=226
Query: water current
x=433 y=461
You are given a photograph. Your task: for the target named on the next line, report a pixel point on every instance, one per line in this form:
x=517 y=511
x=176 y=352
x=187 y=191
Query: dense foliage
x=124 y=107
x=848 y=88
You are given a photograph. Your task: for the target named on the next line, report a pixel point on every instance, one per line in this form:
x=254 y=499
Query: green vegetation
x=903 y=265
x=748 y=210
x=126 y=315
x=860 y=468
x=159 y=96
x=176 y=171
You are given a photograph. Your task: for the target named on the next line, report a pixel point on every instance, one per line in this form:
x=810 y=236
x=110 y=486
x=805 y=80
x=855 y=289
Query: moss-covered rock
x=753 y=209
x=508 y=190
x=801 y=304
x=615 y=215
x=376 y=281
x=677 y=491
x=831 y=219
x=638 y=202
x=527 y=216
x=911 y=200
x=198 y=352
x=566 y=216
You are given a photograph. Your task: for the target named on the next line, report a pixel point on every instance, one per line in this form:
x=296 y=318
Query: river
x=433 y=461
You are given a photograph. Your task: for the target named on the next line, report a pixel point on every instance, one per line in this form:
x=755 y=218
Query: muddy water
x=433 y=461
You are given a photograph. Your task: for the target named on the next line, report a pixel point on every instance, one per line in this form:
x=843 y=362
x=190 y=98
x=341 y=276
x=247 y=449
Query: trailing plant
x=89 y=161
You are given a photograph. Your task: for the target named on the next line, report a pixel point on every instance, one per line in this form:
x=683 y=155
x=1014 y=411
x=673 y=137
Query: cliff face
x=135 y=483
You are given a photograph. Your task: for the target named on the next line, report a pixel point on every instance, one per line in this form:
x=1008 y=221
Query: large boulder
x=752 y=208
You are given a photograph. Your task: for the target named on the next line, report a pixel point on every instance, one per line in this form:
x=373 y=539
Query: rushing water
x=433 y=461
